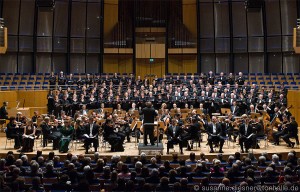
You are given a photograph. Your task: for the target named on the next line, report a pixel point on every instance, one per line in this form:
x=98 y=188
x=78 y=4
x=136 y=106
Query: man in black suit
x=292 y=131
x=61 y=79
x=174 y=135
x=193 y=132
x=246 y=136
x=46 y=129
x=149 y=116
x=92 y=131
x=3 y=111
x=214 y=131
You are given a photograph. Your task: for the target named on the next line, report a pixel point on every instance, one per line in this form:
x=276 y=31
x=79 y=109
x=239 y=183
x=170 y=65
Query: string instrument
x=271 y=126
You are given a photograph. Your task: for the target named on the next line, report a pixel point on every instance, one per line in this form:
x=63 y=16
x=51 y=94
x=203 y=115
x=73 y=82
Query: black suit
x=3 y=113
x=215 y=136
x=46 y=129
x=93 y=136
x=114 y=139
x=292 y=131
x=149 y=116
x=244 y=136
x=192 y=134
x=174 y=137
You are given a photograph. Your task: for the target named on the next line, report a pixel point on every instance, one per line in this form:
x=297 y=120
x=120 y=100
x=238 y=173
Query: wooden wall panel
x=117 y=64
x=293 y=99
x=10 y=96
x=189 y=9
x=182 y=64
x=36 y=99
x=143 y=67
x=110 y=16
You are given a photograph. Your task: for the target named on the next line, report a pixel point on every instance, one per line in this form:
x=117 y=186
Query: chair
x=265 y=138
x=8 y=138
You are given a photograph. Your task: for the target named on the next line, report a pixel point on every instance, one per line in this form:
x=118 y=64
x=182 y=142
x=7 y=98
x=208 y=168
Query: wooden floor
x=131 y=149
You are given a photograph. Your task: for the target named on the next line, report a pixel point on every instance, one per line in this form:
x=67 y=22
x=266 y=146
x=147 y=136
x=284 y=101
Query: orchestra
x=91 y=107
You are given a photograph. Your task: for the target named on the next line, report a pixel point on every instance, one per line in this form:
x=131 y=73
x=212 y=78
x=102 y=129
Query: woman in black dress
x=28 y=136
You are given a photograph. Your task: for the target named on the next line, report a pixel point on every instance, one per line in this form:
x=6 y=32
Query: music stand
x=255 y=115
x=153 y=124
x=225 y=111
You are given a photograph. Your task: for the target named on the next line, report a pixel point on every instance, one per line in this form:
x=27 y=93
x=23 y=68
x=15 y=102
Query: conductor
x=149 y=116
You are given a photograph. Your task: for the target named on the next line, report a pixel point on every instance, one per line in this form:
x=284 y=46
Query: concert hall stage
x=131 y=149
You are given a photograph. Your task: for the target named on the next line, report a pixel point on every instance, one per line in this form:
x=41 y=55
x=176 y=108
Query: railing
x=64 y=87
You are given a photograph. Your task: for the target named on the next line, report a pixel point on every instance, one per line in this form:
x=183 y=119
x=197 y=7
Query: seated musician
x=13 y=131
x=192 y=133
x=246 y=136
x=56 y=134
x=214 y=131
x=34 y=120
x=46 y=129
x=174 y=136
x=230 y=125
x=91 y=135
x=67 y=132
x=292 y=132
x=28 y=137
x=79 y=128
x=258 y=129
x=281 y=130
x=3 y=111
x=112 y=137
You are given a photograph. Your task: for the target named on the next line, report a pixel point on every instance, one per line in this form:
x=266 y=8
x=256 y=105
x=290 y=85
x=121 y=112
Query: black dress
x=28 y=139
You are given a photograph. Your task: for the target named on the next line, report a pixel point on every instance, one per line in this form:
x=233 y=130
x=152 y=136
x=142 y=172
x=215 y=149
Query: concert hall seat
x=270 y=83
x=20 y=87
x=12 y=87
x=14 y=83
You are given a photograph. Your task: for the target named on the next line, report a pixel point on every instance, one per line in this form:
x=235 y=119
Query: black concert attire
x=245 y=138
x=92 y=131
x=258 y=130
x=28 y=139
x=192 y=133
x=46 y=129
x=215 y=134
x=55 y=136
x=174 y=137
x=61 y=80
x=15 y=133
x=113 y=138
x=52 y=81
x=149 y=116
x=292 y=132
x=3 y=112
x=240 y=80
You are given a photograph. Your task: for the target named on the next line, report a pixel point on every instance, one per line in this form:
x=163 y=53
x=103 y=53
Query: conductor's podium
x=151 y=149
